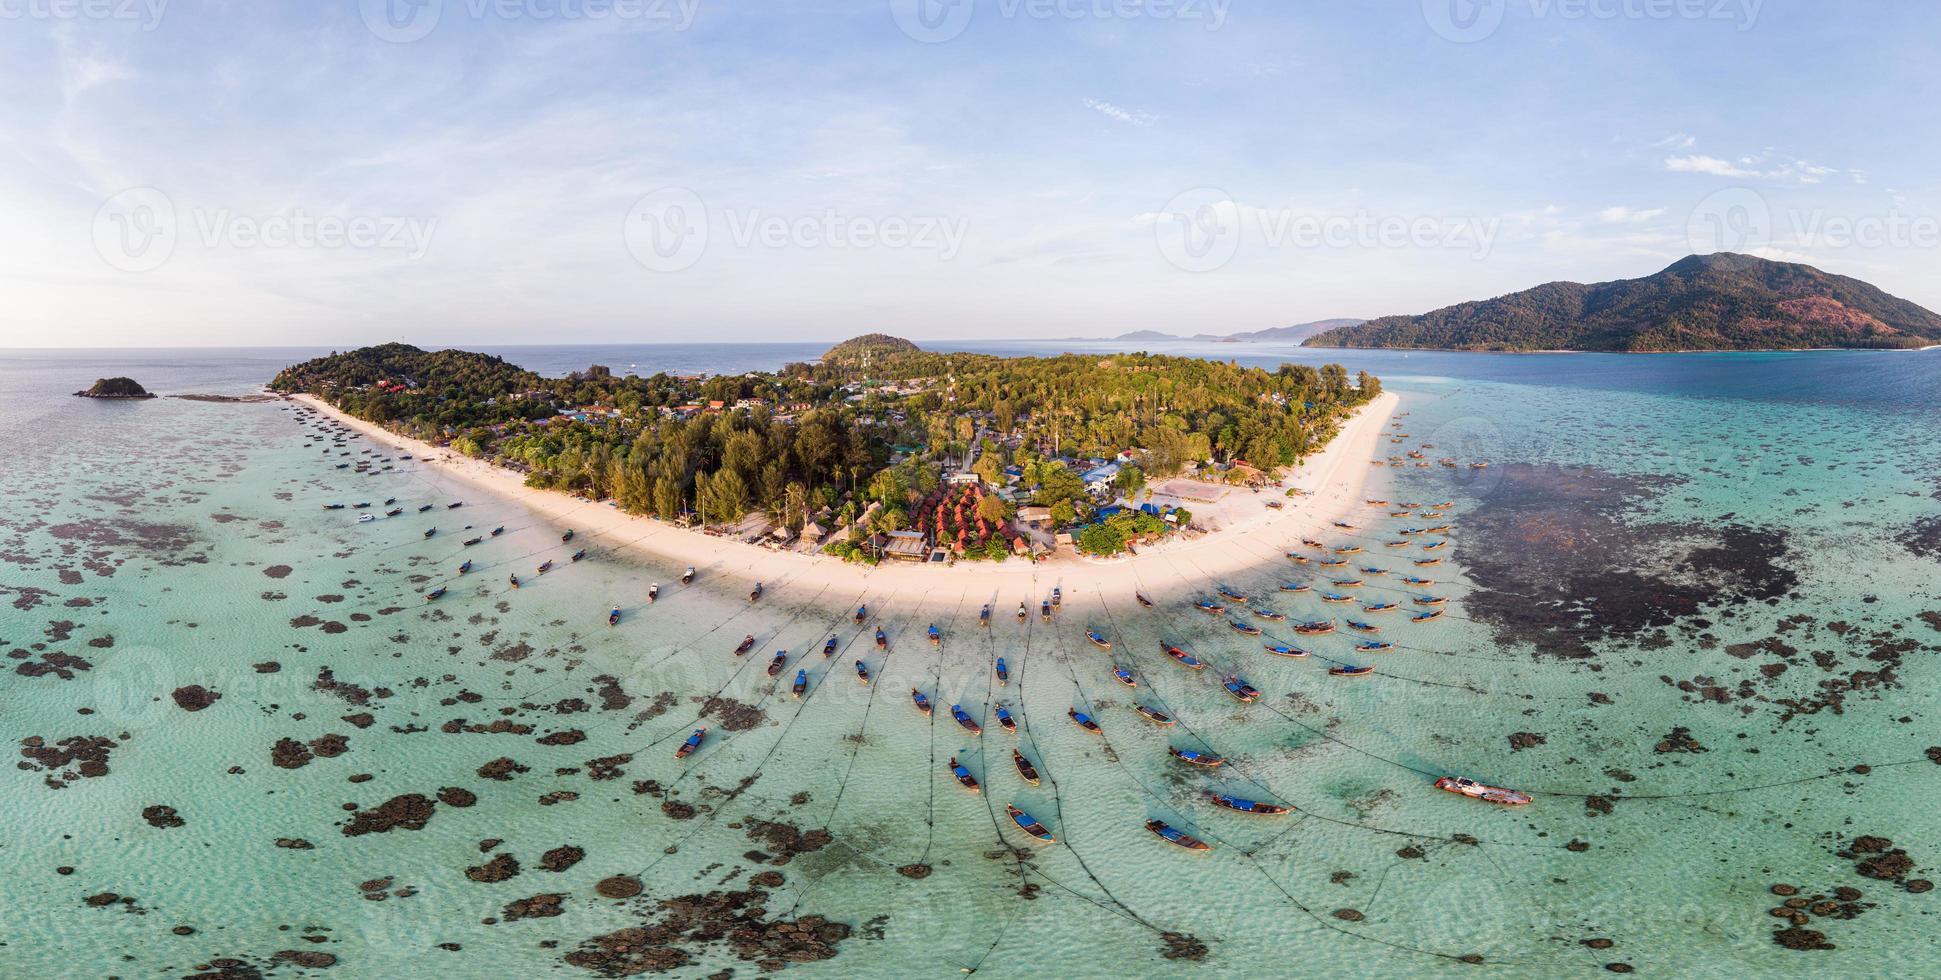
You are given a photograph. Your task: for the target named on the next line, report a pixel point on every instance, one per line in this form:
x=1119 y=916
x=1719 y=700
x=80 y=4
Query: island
x=1718 y=302
x=127 y=388
x=879 y=450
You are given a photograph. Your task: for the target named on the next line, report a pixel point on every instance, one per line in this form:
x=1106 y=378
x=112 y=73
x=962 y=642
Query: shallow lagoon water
x=162 y=524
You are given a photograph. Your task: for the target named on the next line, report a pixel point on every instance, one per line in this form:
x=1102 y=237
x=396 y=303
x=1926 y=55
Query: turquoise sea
x=1691 y=608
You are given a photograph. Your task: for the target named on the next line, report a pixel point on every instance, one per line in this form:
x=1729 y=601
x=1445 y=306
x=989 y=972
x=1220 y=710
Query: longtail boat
x=1283 y=650
x=1083 y=720
x=1246 y=806
x=1348 y=583
x=1173 y=835
x=1373 y=647
x=435 y=593
x=613 y=617
x=1344 y=525
x=1154 y=715
x=1005 y=720
x=1141 y=596
x=568 y=536
x=455 y=505
x=468 y=542
x=1374 y=570
x=1244 y=629
x=1466 y=786
x=753 y=594
x=1184 y=659
x=1336 y=597
x=963 y=775
x=545 y=566
x=1026 y=771
x=1193 y=757
x=1430 y=600
x=1311 y=543
x=693 y=742
x=747 y=643
x=430 y=531
x=922 y=700
x=1335 y=563
x=1435 y=546
x=462 y=569
x=513 y=580
x=1021 y=612
x=1427 y=617
x=420 y=510
x=1409 y=532
x=1209 y=607
x=577 y=555
x=936 y=635
x=1348 y=671
x=1098 y=640
x=653 y=592
x=1318 y=627
x=964 y=719
x=882 y=639
x=1419 y=581
x=862 y=613
x=1124 y=676
x=498 y=530
x=1361 y=627
x=862 y=673
x=775 y=664
x=1057 y=597
x=801 y=682
x=1242 y=691
x=1044 y=610
x=1428 y=562
x=1348 y=549
x=1227 y=593
x=1294 y=587
x=1270 y=614
x=1382 y=607
x=829 y=648
x=1300 y=559
x=393 y=512
x=1028 y=824
x=1398 y=544
x=687 y=577
x=1003 y=672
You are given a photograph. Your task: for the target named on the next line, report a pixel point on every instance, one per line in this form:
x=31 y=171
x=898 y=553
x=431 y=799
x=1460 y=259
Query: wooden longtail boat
x=1361 y=627
x=462 y=569
x=1098 y=640
x=1298 y=559
x=1244 y=629
x=1382 y=607
x=1283 y=650
x=1005 y=720
x=1294 y=587
x=921 y=700
x=1026 y=771
x=882 y=639
x=1003 y=672
x=964 y=777
x=747 y=643
x=862 y=613
x=693 y=742
x=1124 y=676
x=1227 y=593
x=1350 y=549
x=1175 y=836
x=1083 y=720
x=1419 y=581
x=829 y=648
x=1193 y=757
x=1154 y=715
x=1209 y=607
x=936 y=635
x=613 y=617
x=1141 y=596
x=801 y=682
x=1184 y=659
x=1242 y=691
x=1382 y=647
x=775 y=663
x=1335 y=563
x=1428 y=562
x=1028 y=824
x=1465 y=786
x=1246 y=806
x=436 y=593
x=1348 y=583
x=1347 y=671
x=1317 y=627
x=964 y=720
x=1336 y=597
x=1427 y=617
x=1270 y=614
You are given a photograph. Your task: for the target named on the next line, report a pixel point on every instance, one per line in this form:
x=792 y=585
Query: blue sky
x=192 y=172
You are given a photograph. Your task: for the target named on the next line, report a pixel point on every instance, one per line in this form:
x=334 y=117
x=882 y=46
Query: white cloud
x=1697 y=164
x=1621 y=215
x=1677 y=141
x=1766 y=165
x=1119 y=113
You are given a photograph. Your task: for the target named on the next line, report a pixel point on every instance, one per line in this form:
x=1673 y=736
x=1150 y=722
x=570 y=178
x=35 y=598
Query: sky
x=340 y=172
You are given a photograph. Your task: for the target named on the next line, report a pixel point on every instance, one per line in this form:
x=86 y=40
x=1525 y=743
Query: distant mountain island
x=1297 y=332
x=1719 y=302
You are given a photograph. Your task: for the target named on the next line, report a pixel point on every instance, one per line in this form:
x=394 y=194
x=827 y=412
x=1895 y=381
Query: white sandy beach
x=1248 y=532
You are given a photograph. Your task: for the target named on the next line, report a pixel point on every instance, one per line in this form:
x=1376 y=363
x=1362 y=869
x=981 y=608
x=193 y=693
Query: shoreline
x=1333 y=479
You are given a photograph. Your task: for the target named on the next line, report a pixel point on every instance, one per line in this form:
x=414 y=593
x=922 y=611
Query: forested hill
x=1723 y=301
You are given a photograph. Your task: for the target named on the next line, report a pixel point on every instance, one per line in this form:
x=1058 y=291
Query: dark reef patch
x=1562 y=562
